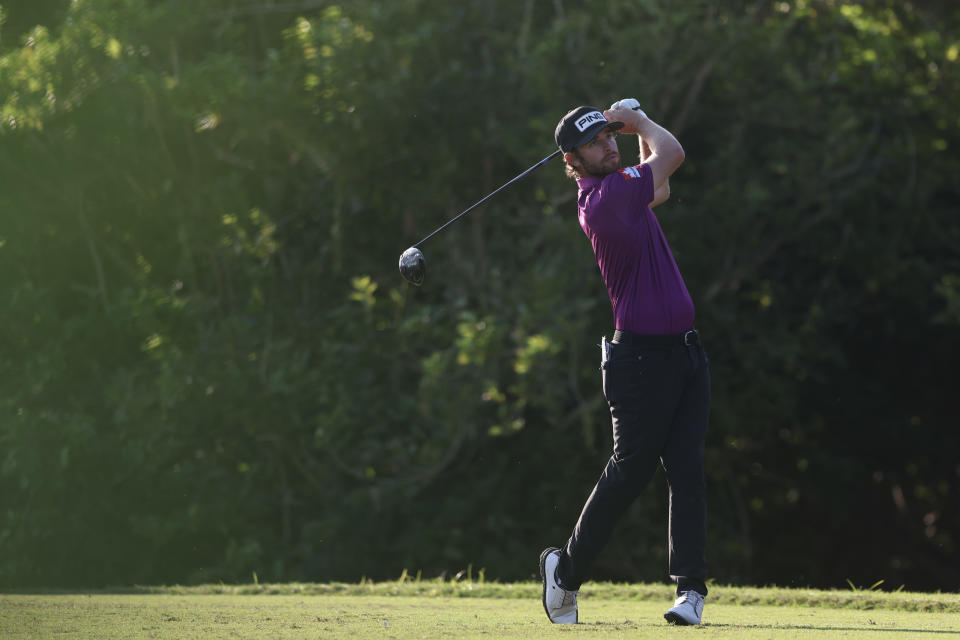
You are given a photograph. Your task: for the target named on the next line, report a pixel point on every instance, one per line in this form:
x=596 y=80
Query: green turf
x=392 y=610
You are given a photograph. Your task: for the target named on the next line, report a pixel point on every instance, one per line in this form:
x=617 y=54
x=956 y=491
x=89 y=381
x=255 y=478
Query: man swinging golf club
x=655 y=373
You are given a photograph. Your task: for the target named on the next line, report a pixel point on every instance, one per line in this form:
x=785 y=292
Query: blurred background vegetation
x=211 y=367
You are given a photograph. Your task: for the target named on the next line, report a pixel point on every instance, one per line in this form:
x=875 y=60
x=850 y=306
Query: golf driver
x=413 y=267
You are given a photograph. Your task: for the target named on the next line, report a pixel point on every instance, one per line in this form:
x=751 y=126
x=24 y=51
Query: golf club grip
x=488 y=196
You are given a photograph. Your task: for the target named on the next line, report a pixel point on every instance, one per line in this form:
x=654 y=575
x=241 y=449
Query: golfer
x=655 y=373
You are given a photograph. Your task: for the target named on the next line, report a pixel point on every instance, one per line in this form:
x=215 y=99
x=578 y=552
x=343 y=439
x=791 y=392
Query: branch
x=260 y=10
x=694 y=92
x=821 y=191
x=714 y=56
x=524 y=29
x=97 y=263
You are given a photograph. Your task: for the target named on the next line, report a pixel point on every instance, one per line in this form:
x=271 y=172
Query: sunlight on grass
x=347 y=617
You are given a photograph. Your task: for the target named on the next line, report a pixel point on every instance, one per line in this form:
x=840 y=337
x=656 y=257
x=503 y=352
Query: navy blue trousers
x=659 y=399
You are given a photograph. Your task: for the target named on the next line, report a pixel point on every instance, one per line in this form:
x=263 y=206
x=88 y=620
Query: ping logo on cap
x=588 y=119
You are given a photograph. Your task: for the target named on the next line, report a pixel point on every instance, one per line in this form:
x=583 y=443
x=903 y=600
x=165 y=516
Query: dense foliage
x=211 y=367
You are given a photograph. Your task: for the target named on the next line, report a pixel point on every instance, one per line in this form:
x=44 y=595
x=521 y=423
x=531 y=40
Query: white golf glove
x=628 y=103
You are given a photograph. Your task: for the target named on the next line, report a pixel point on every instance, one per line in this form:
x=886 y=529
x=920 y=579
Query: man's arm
x=666 y=154
x=661 y=193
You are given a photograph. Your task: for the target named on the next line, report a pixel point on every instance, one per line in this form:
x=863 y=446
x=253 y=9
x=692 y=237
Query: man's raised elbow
x=661 y=195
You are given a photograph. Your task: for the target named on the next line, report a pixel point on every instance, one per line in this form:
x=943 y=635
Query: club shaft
x=487 y=197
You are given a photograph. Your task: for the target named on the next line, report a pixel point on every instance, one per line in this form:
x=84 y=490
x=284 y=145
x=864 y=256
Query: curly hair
x=569 y=169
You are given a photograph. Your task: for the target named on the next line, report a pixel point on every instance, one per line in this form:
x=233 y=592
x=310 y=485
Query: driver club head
x=413 y=266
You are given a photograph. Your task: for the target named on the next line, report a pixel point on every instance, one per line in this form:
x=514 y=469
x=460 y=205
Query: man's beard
x=599 y=169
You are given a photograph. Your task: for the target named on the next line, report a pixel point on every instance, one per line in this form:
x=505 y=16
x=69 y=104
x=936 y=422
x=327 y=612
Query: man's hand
x=634 y=105
x=658 y=148
x=631 y=119
x=615 y=112
x=627 y=103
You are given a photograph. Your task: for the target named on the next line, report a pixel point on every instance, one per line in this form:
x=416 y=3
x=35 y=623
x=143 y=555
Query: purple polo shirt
x=645 y=287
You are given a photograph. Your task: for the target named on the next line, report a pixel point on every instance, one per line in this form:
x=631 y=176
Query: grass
x=466 y=609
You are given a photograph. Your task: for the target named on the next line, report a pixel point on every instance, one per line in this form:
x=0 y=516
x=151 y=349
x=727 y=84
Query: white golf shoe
x=687 y=609
x=560 y=604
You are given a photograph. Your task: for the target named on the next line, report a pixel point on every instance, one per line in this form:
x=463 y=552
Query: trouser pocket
x=630 y=372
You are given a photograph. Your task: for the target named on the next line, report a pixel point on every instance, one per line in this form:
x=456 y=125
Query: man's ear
x=571 y=159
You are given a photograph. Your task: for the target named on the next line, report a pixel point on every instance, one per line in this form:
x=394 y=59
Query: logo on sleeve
x=631 y=172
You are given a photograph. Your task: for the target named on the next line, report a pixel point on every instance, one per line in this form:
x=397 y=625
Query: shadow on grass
x=810 y=627
x=628 y=624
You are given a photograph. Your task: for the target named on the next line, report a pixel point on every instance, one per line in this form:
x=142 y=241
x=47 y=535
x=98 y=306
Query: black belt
x=686 y=339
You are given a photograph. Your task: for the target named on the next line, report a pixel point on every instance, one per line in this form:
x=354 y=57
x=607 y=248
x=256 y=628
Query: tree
x=212 y=368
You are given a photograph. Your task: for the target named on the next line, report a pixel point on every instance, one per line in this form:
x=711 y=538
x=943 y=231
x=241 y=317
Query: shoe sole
x=543 y=579
x=675 y=618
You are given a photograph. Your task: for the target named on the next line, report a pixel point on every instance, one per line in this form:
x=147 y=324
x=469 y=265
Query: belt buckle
x=690 y=338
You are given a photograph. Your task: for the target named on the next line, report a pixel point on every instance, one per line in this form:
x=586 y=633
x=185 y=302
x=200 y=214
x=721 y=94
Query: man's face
x=598 y=157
